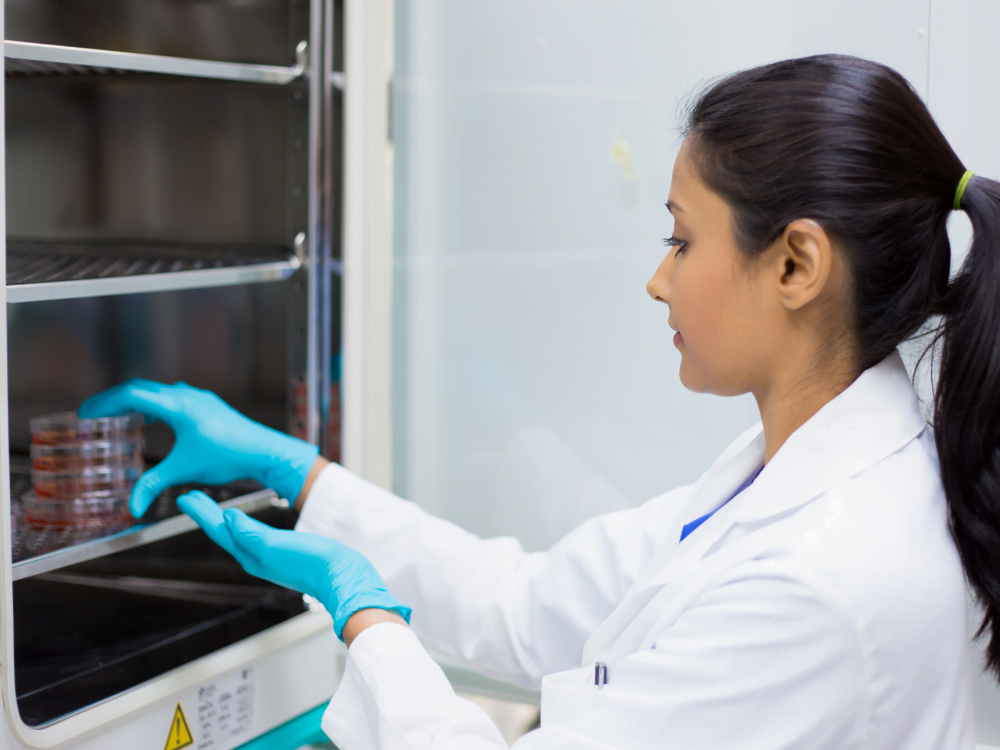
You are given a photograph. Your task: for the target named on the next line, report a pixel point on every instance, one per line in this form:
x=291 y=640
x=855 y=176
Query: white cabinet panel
x=535 y=383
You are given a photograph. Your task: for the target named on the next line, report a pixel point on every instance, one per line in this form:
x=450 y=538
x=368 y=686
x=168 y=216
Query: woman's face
x=718 y=302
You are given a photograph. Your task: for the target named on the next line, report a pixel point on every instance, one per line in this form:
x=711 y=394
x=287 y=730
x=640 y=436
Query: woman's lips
x=678 y=339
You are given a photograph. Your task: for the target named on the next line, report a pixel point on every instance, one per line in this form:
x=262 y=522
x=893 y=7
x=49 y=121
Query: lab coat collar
x=874 y=417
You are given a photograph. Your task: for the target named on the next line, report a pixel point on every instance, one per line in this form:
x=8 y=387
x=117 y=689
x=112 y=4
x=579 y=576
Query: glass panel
x=536 y=384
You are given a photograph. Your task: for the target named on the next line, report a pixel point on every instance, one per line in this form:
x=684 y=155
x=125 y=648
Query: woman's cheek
x=708 y=326
x=705 y=340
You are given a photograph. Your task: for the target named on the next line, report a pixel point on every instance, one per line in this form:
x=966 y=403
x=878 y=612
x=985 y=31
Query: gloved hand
x=214 y=444
x=340 y=578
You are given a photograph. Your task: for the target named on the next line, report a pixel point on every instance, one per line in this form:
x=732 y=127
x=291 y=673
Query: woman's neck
x=799 y=389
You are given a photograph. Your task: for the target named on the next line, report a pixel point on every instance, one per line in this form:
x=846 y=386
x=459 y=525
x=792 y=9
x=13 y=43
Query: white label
x=225 y=711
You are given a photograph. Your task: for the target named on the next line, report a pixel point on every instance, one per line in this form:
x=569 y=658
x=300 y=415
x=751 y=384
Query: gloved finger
x=144 y=396
x=162 y=476
x=250 y=534
x=208 y=515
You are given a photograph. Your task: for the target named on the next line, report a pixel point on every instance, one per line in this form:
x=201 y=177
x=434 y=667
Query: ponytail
x=967 y=408
x=849 y=143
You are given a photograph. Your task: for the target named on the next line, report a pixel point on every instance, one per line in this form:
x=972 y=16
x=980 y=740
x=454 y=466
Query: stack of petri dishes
x=83 y=471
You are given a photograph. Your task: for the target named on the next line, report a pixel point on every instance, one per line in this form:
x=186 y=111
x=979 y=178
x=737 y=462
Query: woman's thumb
x=246 y=532
x=150 y=485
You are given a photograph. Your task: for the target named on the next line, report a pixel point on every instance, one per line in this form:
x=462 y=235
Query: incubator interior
x=157 y=227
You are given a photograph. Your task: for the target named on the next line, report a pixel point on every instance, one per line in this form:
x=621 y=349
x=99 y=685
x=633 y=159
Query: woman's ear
x=804 y=255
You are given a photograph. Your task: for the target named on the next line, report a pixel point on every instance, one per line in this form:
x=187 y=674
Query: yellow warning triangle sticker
x=180 y=735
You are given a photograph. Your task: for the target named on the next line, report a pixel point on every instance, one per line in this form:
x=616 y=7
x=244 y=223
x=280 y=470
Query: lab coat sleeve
x=765 y=660
x=393 y=696
x=487 y=604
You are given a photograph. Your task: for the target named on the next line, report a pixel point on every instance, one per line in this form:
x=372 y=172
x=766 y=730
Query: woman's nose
x=658 y=287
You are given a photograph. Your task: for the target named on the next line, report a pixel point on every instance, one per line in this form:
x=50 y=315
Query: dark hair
x=848 y=143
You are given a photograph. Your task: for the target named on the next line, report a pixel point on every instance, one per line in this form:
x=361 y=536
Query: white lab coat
x=824 y=607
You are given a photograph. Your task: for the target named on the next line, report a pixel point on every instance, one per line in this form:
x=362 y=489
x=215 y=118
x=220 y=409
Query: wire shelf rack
x=24 y=59
x=157 y=524
x=40 y=269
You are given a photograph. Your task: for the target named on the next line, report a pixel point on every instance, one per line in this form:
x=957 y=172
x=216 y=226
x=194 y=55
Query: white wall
x=536 y=384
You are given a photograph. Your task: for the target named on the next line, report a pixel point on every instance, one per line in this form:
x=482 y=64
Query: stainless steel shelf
x=60 y=269
x=30 y=59
x=134 y=537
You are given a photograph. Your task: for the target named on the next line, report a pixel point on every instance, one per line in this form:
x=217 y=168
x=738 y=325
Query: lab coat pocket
x=567 y=694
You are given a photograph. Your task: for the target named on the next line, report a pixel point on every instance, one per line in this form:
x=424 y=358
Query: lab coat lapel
x=723 y=479
x=716 y=487
x=874 y=417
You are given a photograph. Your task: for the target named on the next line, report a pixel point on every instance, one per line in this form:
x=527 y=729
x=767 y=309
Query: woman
x=807 y=591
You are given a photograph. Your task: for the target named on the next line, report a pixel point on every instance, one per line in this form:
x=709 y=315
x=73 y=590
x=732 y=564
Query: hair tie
x=960 y=190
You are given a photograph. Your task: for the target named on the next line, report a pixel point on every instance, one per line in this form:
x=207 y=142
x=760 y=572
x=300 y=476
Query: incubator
x=168 y=215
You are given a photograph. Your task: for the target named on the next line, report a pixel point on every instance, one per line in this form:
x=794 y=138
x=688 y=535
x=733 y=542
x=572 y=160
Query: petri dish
x=53 y=524
x=73 y=456
x=67 y=427
x=111 y=511
x=89 y=482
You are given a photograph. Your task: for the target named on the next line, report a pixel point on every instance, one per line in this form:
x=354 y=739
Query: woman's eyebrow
x=672 y=206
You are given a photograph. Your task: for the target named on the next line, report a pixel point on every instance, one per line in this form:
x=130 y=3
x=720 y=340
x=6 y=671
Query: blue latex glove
x=340 y=578
x=214 y=444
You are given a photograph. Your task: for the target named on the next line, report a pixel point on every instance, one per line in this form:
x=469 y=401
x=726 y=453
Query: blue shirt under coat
x=689 y=527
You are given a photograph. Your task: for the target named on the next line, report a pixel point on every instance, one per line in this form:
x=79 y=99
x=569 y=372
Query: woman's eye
x=674 y=242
